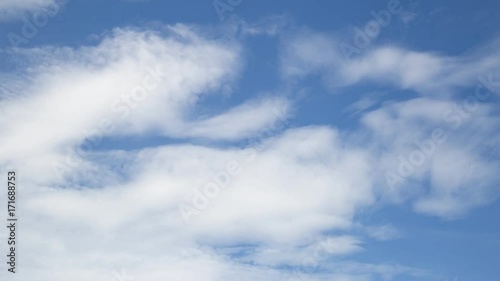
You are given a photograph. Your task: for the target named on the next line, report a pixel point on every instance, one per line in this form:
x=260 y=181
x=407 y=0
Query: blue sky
x=252 y=140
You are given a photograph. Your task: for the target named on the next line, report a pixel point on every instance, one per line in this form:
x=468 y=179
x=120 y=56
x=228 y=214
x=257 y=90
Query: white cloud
x=325 y=248
x=459 y=170
x=395 y=126
x=428 y=73
x=257 y=114
x=270 y=204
